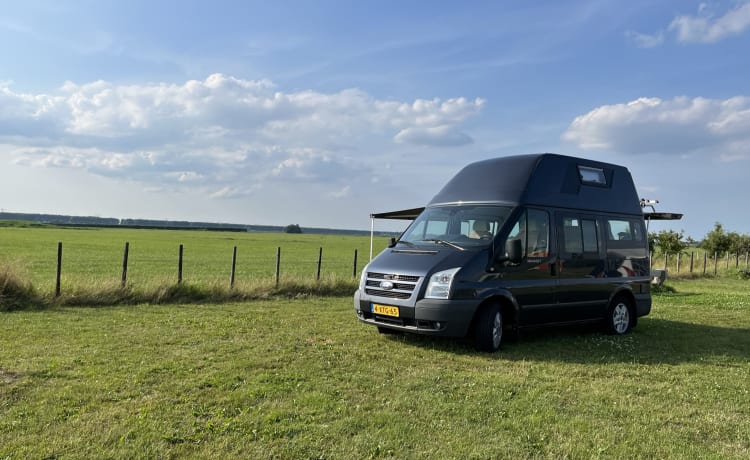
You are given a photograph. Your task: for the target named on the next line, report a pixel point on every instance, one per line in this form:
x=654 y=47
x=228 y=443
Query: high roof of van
x=545 y=179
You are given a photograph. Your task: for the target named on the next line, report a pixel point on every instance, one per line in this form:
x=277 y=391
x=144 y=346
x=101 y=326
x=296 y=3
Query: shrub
x=14 y=292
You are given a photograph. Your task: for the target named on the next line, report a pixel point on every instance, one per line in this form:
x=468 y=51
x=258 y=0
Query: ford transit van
x=514 y=242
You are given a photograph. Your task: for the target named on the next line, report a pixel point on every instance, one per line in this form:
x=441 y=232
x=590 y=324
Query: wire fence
x=203 y=266
x=701 y=263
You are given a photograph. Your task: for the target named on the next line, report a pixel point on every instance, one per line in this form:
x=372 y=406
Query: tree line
x=717 y=240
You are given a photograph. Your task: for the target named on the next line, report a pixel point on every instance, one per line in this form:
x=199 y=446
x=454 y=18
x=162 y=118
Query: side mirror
x=514 y=251
x=393 y=242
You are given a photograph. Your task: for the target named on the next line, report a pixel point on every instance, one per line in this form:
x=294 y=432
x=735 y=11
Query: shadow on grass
x=654 y=341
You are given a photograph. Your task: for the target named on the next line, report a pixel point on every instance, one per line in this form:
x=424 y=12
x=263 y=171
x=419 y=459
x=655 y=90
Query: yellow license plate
x=385 y=310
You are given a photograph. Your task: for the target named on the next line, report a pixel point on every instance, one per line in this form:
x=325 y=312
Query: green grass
x=92 y=261
x=301 y=378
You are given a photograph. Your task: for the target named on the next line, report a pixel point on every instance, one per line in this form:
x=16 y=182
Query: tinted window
x=532 y=228
x=624 y=230
x=590 y=237
x=572 y=236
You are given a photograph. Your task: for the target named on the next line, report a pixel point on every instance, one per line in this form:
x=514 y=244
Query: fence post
x=125 y=264
x=354 y=268
x=59 y=269
x=320 y=261
x=679 y=258
x=179 y=267
x=278 y=264
x=746 y=258
x=666 y=260
x=705 y=260
x=716 y=260
x=727 y=260
x=234 y=265
x=692 y=256
x=737 y=260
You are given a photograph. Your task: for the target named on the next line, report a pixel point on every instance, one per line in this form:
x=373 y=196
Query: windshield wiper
x=408 y=243
x=446 y=243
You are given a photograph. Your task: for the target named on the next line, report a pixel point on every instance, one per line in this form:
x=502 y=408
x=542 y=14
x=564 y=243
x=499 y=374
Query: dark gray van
x=513 y=242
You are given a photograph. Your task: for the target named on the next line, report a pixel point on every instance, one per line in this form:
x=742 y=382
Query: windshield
x=462 y=226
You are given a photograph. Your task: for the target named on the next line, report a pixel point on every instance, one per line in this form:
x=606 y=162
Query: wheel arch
x=508 y=306
x=624 y=291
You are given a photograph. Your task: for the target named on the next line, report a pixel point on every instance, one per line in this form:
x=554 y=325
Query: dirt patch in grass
x=7 y=376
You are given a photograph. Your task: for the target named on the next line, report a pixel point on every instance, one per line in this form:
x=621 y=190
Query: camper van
x=514 y=242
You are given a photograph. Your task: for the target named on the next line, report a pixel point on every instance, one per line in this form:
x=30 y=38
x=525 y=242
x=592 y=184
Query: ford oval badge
x=387 y=285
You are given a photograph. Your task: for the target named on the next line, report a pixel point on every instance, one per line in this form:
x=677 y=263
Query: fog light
x=437 y=325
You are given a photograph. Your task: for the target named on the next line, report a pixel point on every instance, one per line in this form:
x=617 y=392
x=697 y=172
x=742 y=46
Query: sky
x=321 y=112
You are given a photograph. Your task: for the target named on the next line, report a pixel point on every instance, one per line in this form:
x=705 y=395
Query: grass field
x=93 y=257
x=302 y=378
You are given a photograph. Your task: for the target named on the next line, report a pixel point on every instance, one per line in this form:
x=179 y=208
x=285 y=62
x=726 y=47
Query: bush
x=14 y=292
x=292 y=228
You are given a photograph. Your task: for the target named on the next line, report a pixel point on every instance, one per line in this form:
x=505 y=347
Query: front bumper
x=449 y=318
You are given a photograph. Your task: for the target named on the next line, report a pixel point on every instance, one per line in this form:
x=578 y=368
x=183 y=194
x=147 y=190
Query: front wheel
x=488 y=330
x=621 y=316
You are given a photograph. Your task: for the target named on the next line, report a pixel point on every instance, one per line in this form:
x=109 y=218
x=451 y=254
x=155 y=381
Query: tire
x=488 y=329
x=620 y=316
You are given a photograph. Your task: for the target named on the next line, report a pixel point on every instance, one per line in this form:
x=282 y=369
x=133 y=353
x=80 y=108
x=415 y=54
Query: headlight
x=363 y=278
x=439 y=286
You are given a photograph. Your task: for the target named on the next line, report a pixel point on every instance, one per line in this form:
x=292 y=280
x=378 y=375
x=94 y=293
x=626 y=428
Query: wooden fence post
x=705 y=260
x=278 y=264
x=125 y=264
x=666 y=260
x=234 y=265
x=692 y=256
x=354 y=269
x=320 y=261
x=727 y=256
x=679 y=258
x=59 y=269
x=716 y=260
x=179 y=267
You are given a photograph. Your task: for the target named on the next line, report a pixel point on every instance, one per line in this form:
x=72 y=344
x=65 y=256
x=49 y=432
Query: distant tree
x=668 y=241
x=717 y=240
x=292 y=228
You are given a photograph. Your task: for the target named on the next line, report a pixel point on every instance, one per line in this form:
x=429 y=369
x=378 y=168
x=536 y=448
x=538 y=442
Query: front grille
x=403 y=285
x=394 y=278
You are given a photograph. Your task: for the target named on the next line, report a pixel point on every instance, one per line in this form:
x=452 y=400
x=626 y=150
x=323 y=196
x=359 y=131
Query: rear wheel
x=621 y=316
x=488 y=329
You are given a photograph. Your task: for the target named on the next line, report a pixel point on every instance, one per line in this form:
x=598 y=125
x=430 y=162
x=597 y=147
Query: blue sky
x=321 y=112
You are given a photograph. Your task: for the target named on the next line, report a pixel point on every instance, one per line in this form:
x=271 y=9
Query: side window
x=572 y=235
x=590 y=236
x=532 y=228
x=624 y=230
x=538 y=233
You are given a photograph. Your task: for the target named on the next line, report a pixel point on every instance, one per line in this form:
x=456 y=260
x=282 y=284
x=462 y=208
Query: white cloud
x=343 y=193
x=680 y=126
x=218 y=135
x=433 y=136
x=645 y=40
x=706 y=28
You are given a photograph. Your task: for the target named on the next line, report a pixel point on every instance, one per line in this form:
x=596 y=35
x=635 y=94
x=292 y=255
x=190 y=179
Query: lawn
x=94 y=256
x=301 y=378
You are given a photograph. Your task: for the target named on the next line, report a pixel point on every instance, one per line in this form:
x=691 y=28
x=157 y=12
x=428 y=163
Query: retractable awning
x=649 y=216
x=404 y=214
x=662 y=216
